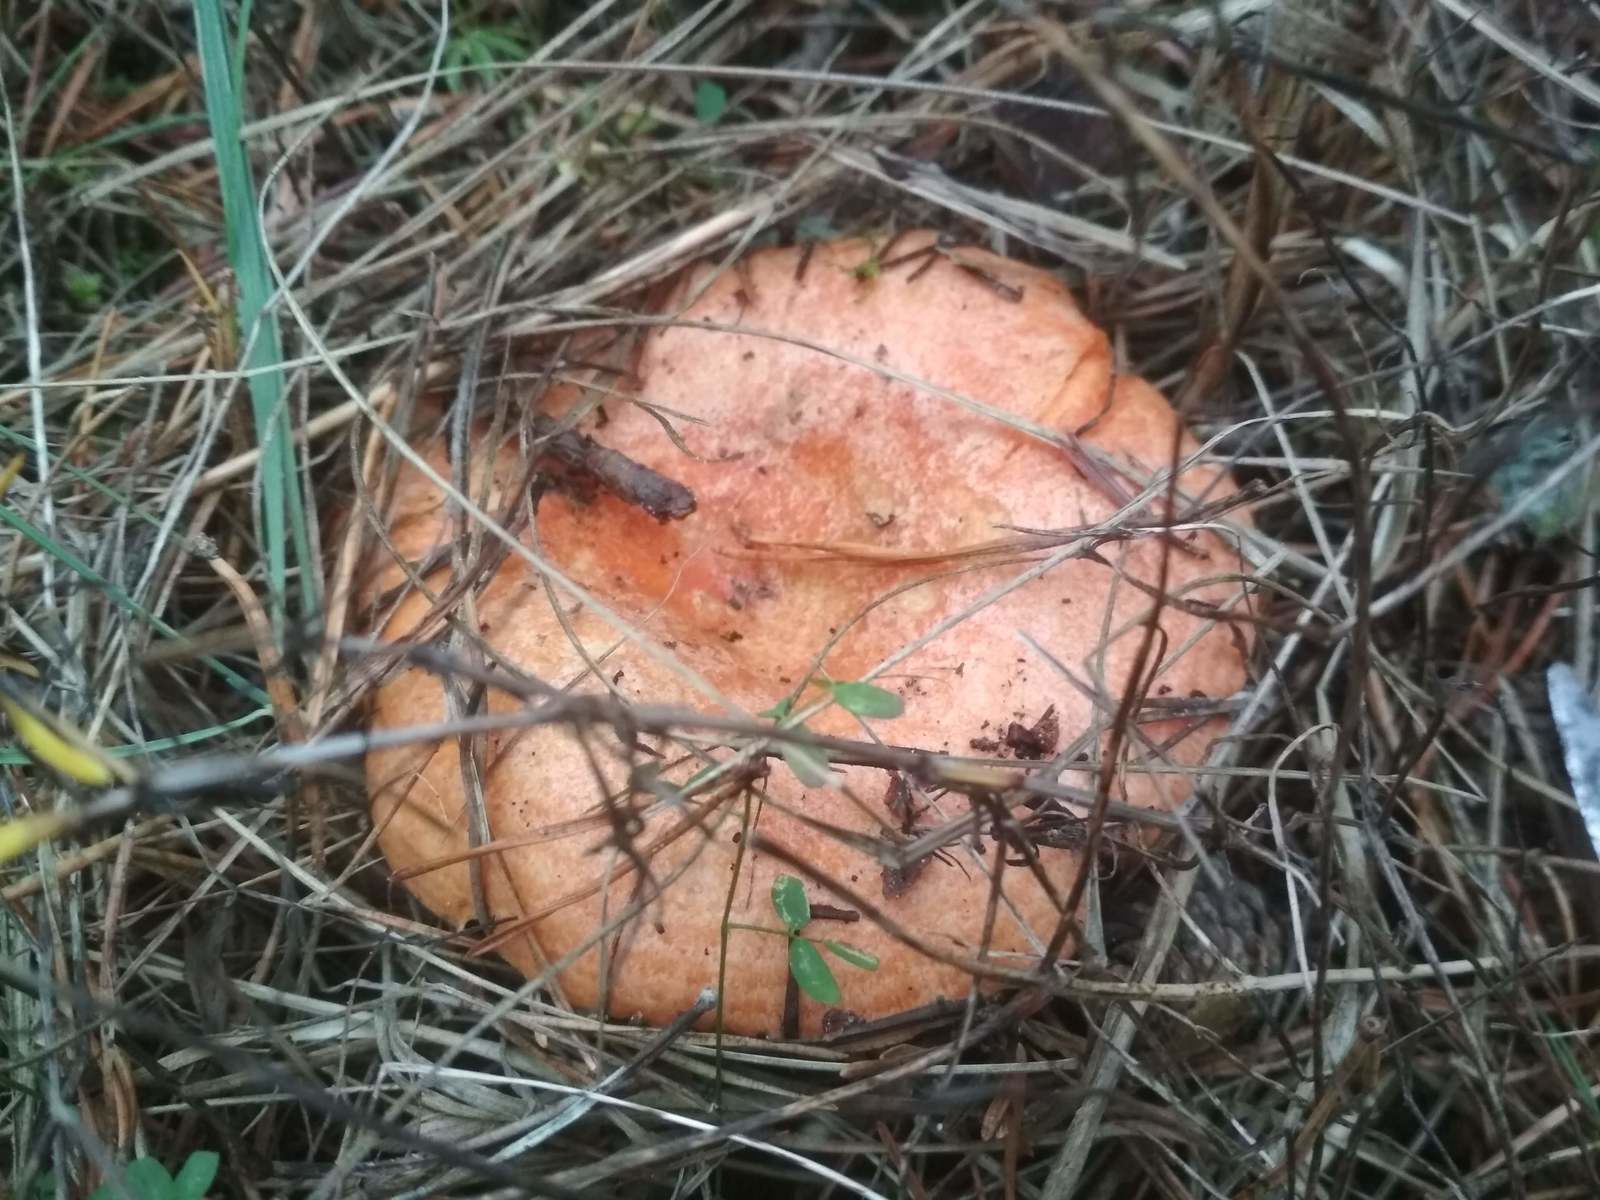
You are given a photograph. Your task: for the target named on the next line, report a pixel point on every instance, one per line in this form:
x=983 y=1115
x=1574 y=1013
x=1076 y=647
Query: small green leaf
x=710 y=101
x=1529 y=452
x=816 y=228
x=196 y=1176
x=810 y=766
x=812 y=972
x=149 y=1180
x=853 y=955
x=145 y=1178
x=476 y=51
x=83 y=287
x=867 y=700
x=454 y=58
x=504 y=42
x=789 y=901
x=778 y=711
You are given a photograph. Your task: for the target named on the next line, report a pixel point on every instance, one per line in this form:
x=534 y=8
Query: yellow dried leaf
x=9 y=475
x=973 y=775
x=19 y=836
x=10 y=662
x=62 y=748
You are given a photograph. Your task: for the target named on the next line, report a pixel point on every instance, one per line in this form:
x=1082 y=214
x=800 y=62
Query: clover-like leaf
x=867 y=700
x=144 y=1178
x=196 y=1175
x=810 y=766
x=854 y=955
x=812 y=972
x=710 y=101
x=789 y=902
x=778 y=711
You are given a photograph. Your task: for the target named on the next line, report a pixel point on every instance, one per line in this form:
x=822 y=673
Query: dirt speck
x=897 y=881
x=1036 y=741
x=838 y=1020
x=744 y=592
x=898 y=800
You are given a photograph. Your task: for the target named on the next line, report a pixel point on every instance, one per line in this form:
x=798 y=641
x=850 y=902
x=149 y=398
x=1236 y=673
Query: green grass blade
x=88 y=479
x=282 y=513
x=178 y=741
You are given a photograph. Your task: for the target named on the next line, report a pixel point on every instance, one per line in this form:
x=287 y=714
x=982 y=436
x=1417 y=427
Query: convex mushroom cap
x=863 y=444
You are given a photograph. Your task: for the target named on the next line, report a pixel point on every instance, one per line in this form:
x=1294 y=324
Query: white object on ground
x=1578 y=722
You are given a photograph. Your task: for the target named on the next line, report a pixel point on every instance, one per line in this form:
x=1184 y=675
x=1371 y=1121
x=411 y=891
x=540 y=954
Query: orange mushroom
x=895 y=466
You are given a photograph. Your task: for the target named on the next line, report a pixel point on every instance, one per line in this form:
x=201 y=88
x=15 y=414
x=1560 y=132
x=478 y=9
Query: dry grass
x=1354 y=239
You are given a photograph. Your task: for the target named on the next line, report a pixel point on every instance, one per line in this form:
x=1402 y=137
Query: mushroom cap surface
x=806 y=430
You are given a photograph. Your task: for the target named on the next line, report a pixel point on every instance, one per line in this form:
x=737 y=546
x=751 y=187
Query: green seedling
x=146 y=1179
x=867 y=269
x=83 y=287
x=479 y=51
x=780 y=711
x=865 y=699
x=806 y=963
x=862 y=699
x=810 y=766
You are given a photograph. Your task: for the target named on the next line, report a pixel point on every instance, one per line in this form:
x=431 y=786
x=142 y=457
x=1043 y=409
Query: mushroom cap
x=807 y=429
